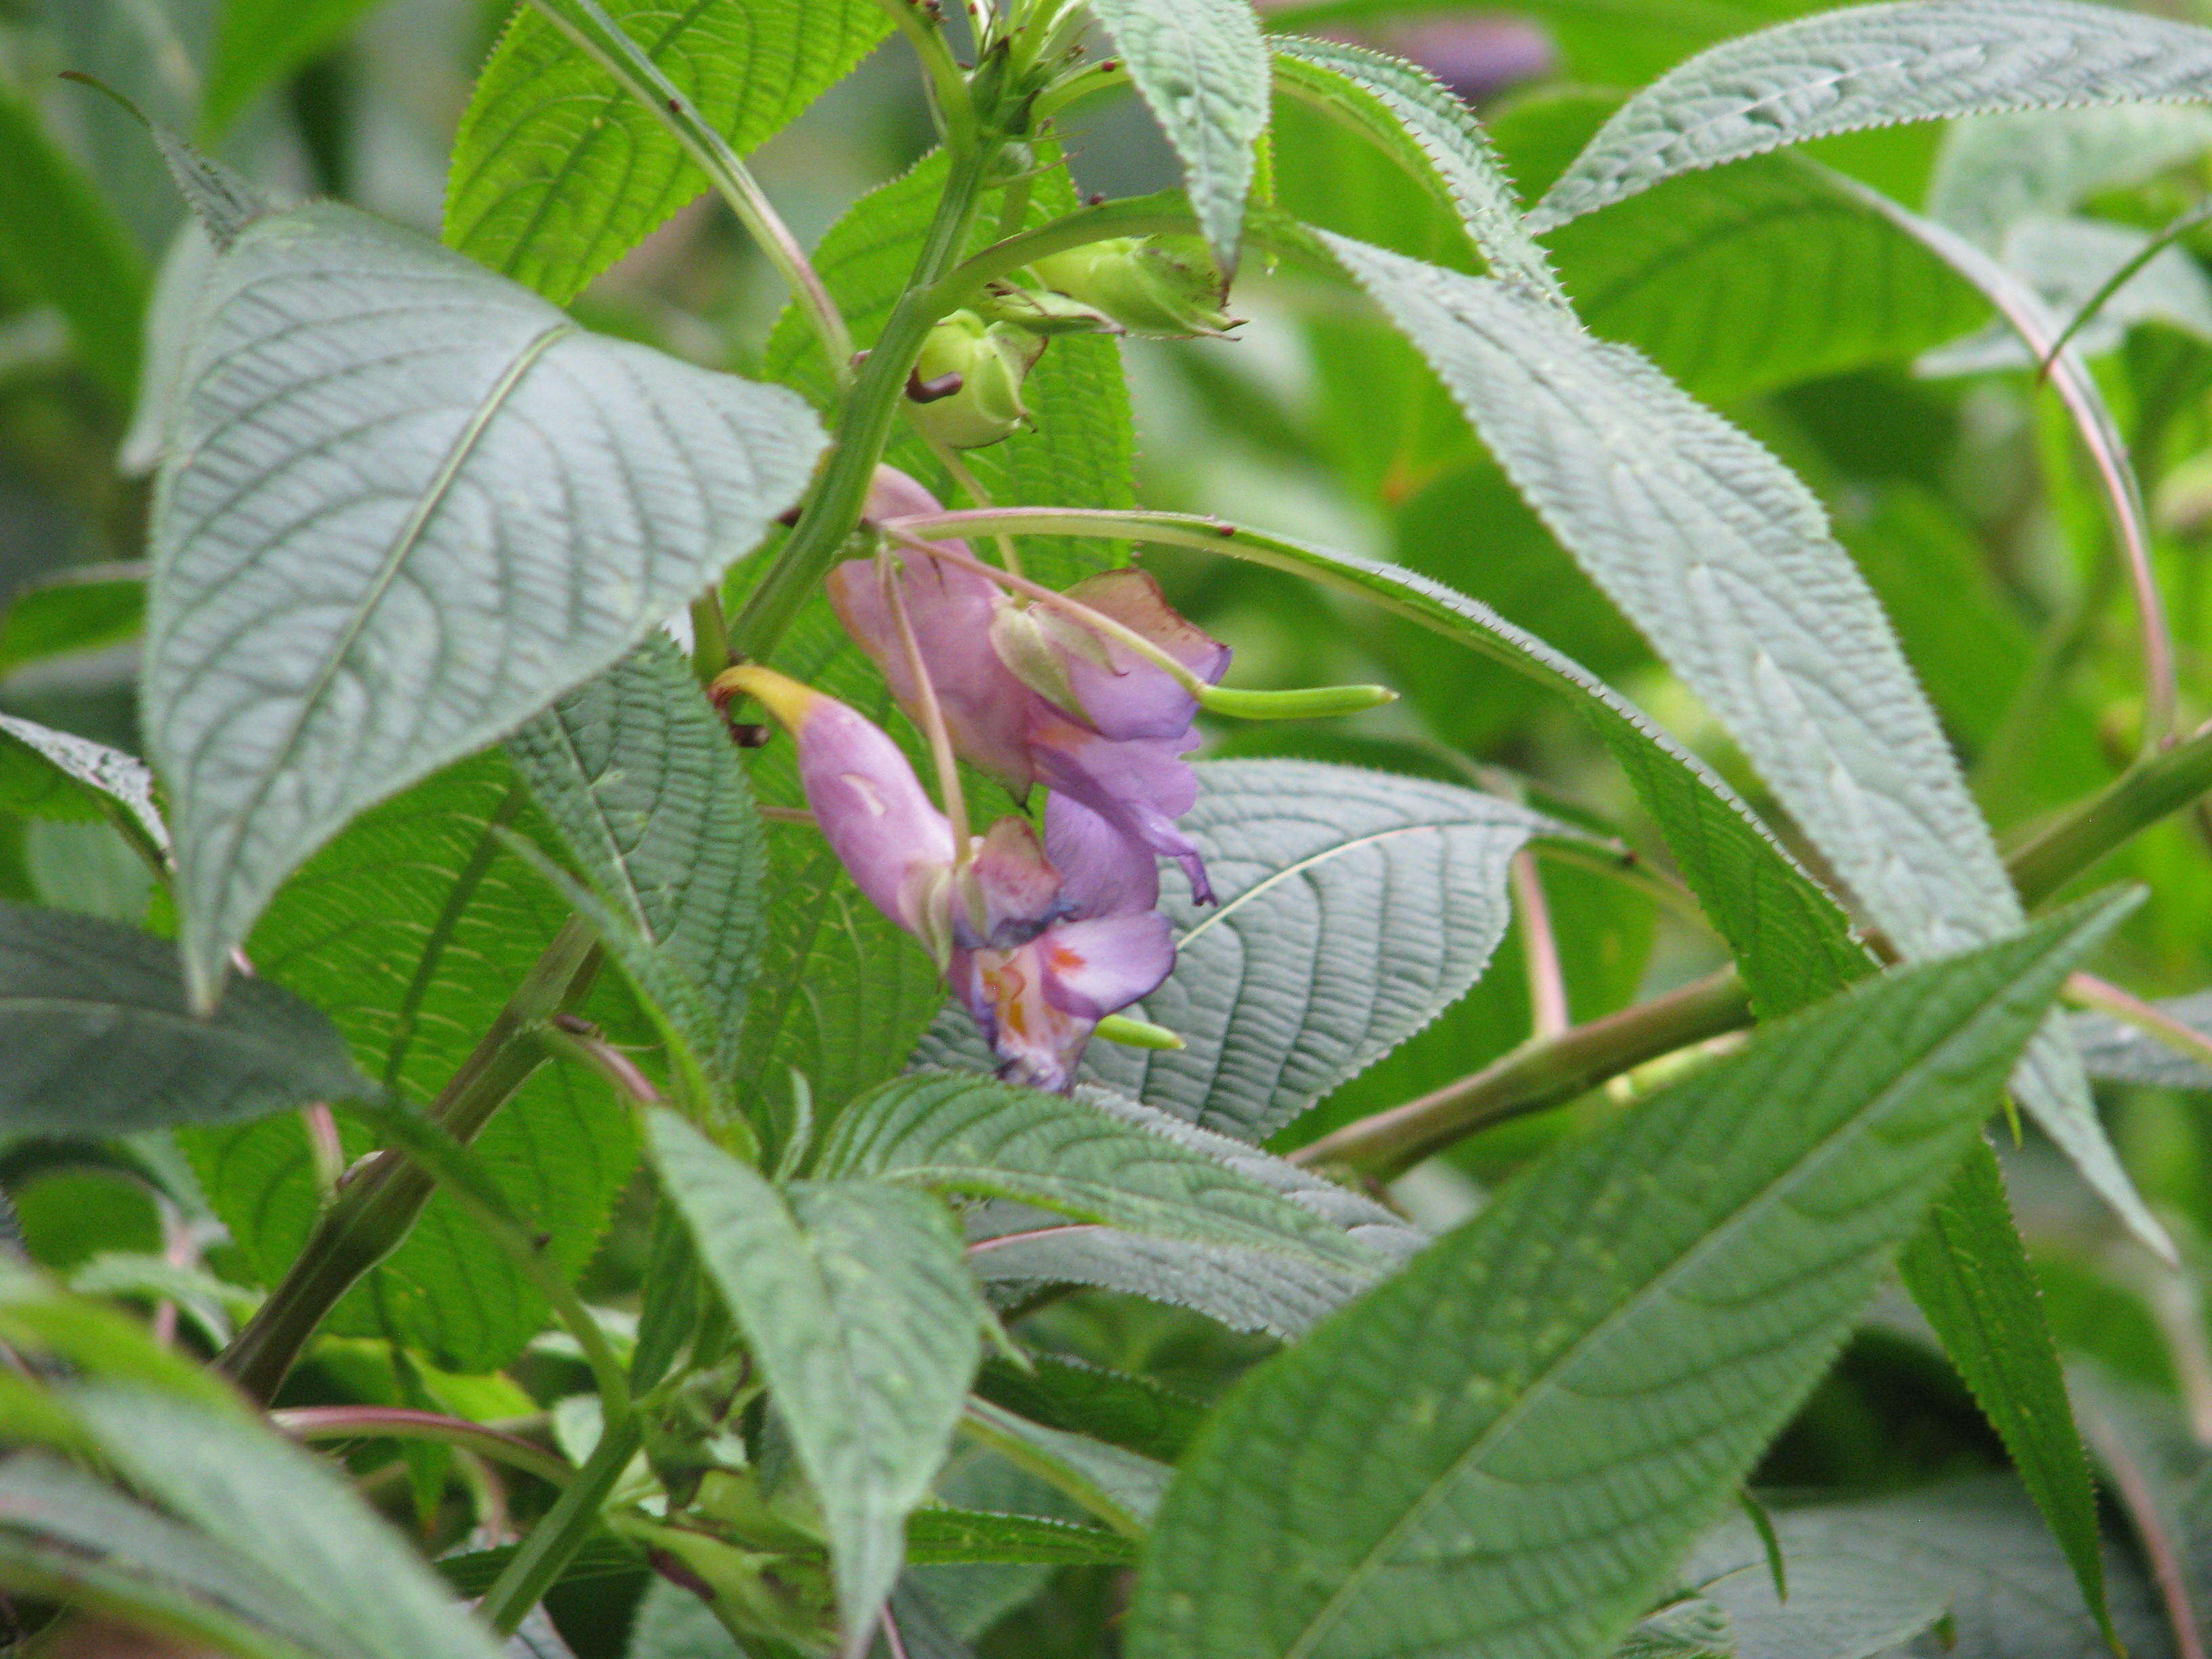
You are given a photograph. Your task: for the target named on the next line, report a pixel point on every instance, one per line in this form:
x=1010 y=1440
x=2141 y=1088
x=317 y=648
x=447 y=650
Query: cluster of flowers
x=1039 y=939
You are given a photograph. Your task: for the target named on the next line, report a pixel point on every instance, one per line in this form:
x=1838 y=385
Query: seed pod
x=966 y=387
x=1163 y=286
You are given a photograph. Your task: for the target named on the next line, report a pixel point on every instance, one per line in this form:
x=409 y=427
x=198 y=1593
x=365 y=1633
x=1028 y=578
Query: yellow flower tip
x=781 y=696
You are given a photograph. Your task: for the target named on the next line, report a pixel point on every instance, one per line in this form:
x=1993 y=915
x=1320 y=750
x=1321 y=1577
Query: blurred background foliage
x=1811 y=320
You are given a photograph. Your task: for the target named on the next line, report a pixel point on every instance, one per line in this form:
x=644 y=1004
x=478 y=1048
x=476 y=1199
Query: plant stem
x=545 y=1554
x=2086 y=990
x=397 y=1423
x=834 y=512
x=375 y=1211
x=2145 y=793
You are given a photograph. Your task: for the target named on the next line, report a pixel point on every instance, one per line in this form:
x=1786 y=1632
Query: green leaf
x=414 y=927
x=1871 y=66
x=1354 y=908
x=1091 y=1159
x=673 y=1623
x=1969 y=1272
x=2162 y=1474
x=51 y=1502
x=46 y=774
x=287 y=1514
x=1996 y=169
x=491 y=508
x=1424 y=127
x=1202 y=67
x=1759 y=276
x=1725 y=560
x=946 y=1535
x=557 y=172
x=1510 y=1442
x=1124 y=1410
x=80 y=610
x=100 y=1041
x=1839 y=1606
x=260 y=42
x=637 y=773
x=60 y=240
x=864 y=1323
x=1692 y=1628
x=1118 y=1487
x=2127 y=1054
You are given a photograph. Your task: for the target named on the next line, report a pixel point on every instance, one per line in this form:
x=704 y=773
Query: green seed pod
x=1163 y=286
x=1308 y=703
x=966 y=388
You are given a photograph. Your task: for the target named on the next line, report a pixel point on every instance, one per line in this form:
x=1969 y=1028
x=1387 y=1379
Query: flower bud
x=1042 y=310
x=966 y=388
x=1165 y=286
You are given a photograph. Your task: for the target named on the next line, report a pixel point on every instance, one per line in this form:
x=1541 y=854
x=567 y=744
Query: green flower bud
x=966 y=387
x=1164 y=286
x=1041 y=311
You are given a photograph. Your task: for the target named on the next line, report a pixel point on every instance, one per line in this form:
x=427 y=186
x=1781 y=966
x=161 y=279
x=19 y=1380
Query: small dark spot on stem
x=1096 y=198
x=574 y=1025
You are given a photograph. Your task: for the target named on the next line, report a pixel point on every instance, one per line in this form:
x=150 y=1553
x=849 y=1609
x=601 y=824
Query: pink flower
x=1032 y=696
x=1037 y=956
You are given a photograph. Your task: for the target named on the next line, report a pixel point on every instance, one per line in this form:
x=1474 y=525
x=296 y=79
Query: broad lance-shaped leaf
x=1507 y=1446
x=637 y=774
x=409 y=504
x=854 y=1299
x=49 y=773
x=558 y=171
x=1726 y=562
x=2128 y=1054
x=1873 y=65
x=287 y=1514
x=1353 y=908
x=1996 y=169
x=1839 y=1606
x=100 y=1041
x=1427 y=129
x=1120 y=1488
x=1202 y=66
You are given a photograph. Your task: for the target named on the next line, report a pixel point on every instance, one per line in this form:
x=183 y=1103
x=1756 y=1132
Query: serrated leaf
x=2123 y=1052
x=1871 y=66
x=557 y=172
x=1118 y=1487
x=1429 y=131
x=46 y=774
x=1510 y=1444
x=1202 y=67
x=60 y=238
x=289 y=1516
x=1839 y=1606
x=864 y=1323
x=1996 y=169
x=1354 y=907
x=100 y=1044
x=934 y=1535
x=415 y=925
x=1133 y=1412
x=638 y=775
x=1692 y=1628
x=1087 y=1159
x=408 y=504
x=1725 y=560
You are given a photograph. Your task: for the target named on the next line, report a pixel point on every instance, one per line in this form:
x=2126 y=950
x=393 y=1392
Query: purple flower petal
x=1135 y=698
x=1038 y=1003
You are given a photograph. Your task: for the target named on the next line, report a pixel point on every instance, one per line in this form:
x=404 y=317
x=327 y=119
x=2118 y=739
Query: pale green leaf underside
x=958 y=1132
x=1726 y=562
x=409 y=504
x=1874 y=65
x=1202 y=67
x=100 y=1041
x=557 y=172
x=864 y=1322
x=78 y=764
x=1996 y=169
x=2128 y=1054
x=1428 y=130
x=1506 y=1448
x=1354 y=907
x=1840 y=1607
x=289 y=1515
x=638 y=775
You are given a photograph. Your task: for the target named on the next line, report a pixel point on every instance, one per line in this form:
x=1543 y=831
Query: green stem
x=375 y=1211
x=397 y=1423
x=2140 y=796
x=553 y=1542
x=835 y=510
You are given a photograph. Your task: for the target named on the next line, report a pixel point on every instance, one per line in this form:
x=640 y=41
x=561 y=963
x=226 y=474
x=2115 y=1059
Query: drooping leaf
x=1725 y=560
x=1094 y=1160
x=46 y=774
x=558 y=171
x=61 y=240
x=287 y=1515
x=1202 y=67
x=864 y=1322
x=1118 y=1487
x=259 y=42
x=1510 y=1442
x=1126 y=1410
x=76 y=611
x=639 y=776
x=1353 y=908
x=414 y=927
x=100 y=1044
x=935 y=1536
x=1424 y=127
x=491 y=508
x=1873 y=65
